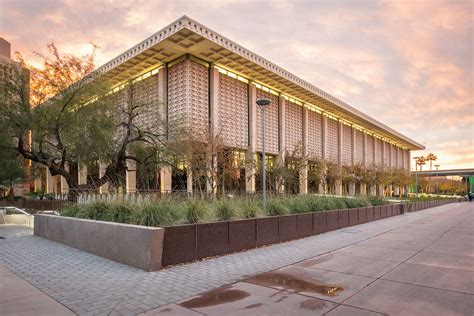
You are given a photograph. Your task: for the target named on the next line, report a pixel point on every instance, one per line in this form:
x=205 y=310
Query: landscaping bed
x=189 y=242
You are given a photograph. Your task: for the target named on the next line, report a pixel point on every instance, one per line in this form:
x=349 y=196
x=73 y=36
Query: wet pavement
x=425 y=267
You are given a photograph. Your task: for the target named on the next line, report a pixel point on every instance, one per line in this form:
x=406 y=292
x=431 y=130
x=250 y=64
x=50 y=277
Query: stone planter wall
x=137 y=246
x=151 y=248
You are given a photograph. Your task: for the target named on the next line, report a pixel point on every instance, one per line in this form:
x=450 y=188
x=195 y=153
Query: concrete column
x=324 y=129
x=281 y=139
x=250 y=166
x=372 y=190
x=363 y=189
x=382 y=143
x=339 y=143
x=214 y=100
x=64 y=185
x=397 y=191
x=165 y=179
x=163 y=100
x=390 y=190
x=49 y=182
x=380 y=192
x=105 y=188
x=373 y=151
x=37 y=184
x=131 y=177
x=324 y=144
x=82 y=173
x=353 y=146
x=189 y=181
x=303 y=177
x=339 y=188
x=364 y=150
x=352 y=189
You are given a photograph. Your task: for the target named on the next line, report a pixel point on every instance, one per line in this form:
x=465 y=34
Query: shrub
x=71 y=211
x=120 y=212
x=376 y=201
x=94 y=211
x=195 y=211
x=356 y=202
x=338 y=203
x=276 y=207
x=154 y=214
x=300 y=204
x=225 y=210
x=249 y=209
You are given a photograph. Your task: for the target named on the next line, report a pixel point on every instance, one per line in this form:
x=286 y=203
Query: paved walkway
x=88 y=284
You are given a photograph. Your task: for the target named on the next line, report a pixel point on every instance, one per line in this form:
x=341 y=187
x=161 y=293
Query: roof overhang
x=186 y=36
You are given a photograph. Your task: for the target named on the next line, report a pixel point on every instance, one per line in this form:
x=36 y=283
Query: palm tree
x=431 y=157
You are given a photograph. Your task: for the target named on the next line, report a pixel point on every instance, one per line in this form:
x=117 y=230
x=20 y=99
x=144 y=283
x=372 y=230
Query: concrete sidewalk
x=422 y=268
x=92 y=285
x=18 y=297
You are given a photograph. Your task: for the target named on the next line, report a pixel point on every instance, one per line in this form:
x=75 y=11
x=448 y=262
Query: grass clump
x=71 y=211
x=195 y=211
x=119 y=212
x=276 y=207
x=95 y=211
x=154 y=214
x=249 y=209
x=376 y=201
x=357 y=202
x=225 y=210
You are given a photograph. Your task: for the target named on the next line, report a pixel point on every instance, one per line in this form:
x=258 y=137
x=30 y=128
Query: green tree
x=69 y=118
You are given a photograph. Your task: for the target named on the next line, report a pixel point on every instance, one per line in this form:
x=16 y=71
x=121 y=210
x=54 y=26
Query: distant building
x=210 y=83
x=5 y=59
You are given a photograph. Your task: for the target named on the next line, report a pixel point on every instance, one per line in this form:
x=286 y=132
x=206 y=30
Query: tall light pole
x=437 y=179
x=263 y=104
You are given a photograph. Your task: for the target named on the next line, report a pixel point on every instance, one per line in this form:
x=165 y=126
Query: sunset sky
x=409 y=64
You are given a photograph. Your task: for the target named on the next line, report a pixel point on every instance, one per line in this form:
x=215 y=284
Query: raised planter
x=137 y=246
x=150 y=248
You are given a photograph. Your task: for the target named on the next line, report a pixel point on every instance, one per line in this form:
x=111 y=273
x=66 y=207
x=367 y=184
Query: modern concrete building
x=209 y=83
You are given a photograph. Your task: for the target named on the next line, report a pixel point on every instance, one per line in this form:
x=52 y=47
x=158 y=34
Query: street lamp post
x=263 y=103
x=437 y=179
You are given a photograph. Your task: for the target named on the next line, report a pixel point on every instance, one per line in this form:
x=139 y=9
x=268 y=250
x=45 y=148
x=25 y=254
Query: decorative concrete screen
x=188 y=97
x=271 y=123
x=145 y=94
x=400 y=157
x=386 y=154
x=198 y=98
x=378 y=152
x=359 y=146
x=293 y=126
x=407 y=159
x=315 y=138
x=369 y=153
x=332 y=140
x=233 y=112
x=393 y=156
x=346 y=145
x=177 y=82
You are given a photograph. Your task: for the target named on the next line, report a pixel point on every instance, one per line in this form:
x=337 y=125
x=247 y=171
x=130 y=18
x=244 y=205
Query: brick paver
x=88 y=284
